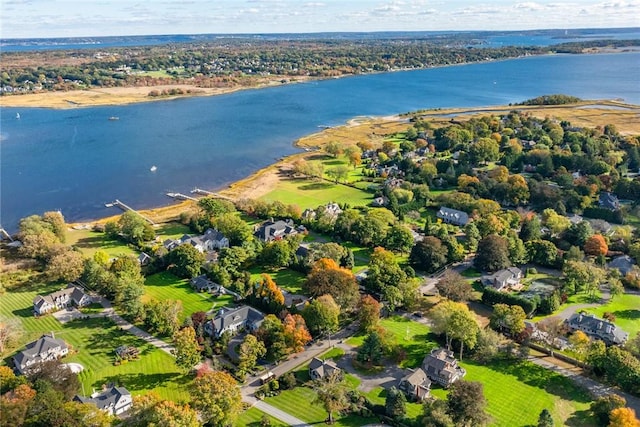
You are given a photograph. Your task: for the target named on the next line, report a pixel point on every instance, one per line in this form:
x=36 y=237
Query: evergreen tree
x=545 y=419
x=395 y=404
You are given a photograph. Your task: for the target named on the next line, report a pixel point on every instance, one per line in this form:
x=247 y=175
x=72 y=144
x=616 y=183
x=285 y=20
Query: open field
x=89 y=242
x=96 y=339
x=626 y=308
x=307 y=193
x=166 y=286
x=252 y=417
x=289 y=280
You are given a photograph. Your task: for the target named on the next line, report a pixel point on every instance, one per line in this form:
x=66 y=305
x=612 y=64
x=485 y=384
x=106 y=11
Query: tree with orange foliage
x=14 y=405
x=623 y=417
x=269 y=291
x=296 y=334
x=326 y=277
x=596 y=245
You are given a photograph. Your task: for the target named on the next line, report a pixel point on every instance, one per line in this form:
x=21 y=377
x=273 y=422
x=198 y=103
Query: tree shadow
x=578 y=418
x=627 y=314
x=139 y=381
x=316 y=186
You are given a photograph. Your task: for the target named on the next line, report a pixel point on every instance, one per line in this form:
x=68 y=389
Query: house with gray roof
x=597 y=328
x=441 y=367
x=72 y=295
x=319 y=368
x=453 y=216
x=114 y=400
x=503 y=279
x=624 y=264
x=203 y=284
x=233 y=320
x=415 y=385
x=144 y=259
x=608 y=201
x=44 y=349
x=269 y=231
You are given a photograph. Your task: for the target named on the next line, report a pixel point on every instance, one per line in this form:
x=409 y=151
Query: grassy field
x=412 y=337
x=89 y=242
x=252 y=417
x=379 y=394
x=95 y=341
x=287 y=279
x=626 y=308
x=307 y=193
x=166 y=286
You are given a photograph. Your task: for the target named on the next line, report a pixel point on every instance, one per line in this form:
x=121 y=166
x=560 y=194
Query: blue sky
x=67 y=18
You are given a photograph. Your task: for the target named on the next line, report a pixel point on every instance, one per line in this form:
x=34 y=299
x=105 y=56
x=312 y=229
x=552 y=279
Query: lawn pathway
x=110 y=313
x=280 y=415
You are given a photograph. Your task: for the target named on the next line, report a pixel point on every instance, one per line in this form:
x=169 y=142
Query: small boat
x=153 y=168
x=114 y=118
x=18 y=116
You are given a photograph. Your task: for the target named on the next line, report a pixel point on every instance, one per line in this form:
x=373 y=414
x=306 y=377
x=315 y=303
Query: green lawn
x=378 y=395
x=412 y=337
x=285 y=278
x=307 y=193
x=89 y=242
x=172 y=230
x=298 y=402
x=252 y=417
x=95 y=341
x=626 y=308
x=166 y=286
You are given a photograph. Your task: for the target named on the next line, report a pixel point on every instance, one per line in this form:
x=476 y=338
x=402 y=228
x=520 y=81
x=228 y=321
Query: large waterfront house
x=207 y=242
x=44 y=349
x=597 y=328
x=453 y=216
x=72 y=295
x=416 y=385
x=269 y=231
x=441 y=367
x=233 y=320
x=502 y=279
x=114 y=400
x=319 y=368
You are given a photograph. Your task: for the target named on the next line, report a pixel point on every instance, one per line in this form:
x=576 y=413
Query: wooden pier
x=202 y=192
x=4 y=234
x=180 y=196
x=118 y=204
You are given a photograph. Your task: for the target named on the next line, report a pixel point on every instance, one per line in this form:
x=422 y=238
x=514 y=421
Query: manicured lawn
x=95 y=340
x=626 y=308
x=297 y=402
x=89 y=242
x=166 y=286
x=413 y=337
x=172 y=230
x=518 y=392
x=252 y=417
x=378 y=395
x=307 y=193
x=287 y=279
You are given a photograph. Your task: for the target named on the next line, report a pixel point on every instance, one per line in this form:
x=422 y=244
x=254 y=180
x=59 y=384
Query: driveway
x=67 y=315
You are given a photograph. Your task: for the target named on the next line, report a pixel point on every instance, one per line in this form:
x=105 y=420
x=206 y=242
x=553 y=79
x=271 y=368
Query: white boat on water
x=18 y=116
x=153 y=168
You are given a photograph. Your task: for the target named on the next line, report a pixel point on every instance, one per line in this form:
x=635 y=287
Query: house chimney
x=53 y=335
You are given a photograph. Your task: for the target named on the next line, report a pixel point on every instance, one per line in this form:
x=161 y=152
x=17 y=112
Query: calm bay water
x=76 y=160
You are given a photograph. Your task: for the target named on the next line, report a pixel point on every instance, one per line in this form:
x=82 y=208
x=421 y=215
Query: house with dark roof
x=233 y=320
x=319 y=368
x=503 y=279
x=203 y=284
x=441 y=367
x=44 y=349
x=453 y=216
x=114 y=400
x=624 y=264
x=294 y=300
x=72 y=295
x=415 y=385
x=608 y=201
x=597 y=328
x=144 y=259
x=269 y=231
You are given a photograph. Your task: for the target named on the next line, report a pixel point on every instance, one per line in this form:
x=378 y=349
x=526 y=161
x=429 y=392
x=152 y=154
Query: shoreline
x=266 y=179
x=120 y=96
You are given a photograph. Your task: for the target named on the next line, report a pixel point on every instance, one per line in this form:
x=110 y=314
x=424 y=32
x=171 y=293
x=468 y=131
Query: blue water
x=76 y=160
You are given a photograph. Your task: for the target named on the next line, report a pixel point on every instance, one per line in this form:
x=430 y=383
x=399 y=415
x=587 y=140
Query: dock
x=180 y=196
x=4 y=234
x=118 y=204
x=202 y=192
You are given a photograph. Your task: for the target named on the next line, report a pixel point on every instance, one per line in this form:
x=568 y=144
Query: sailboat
x=153 y=168
x=18 y=116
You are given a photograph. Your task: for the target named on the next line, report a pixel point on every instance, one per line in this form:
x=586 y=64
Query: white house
x=114 y=400
x=72 y=295
x=44 y=349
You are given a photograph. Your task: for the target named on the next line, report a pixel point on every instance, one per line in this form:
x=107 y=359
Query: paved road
x=110 y=313
x=595 y=388
x=567 y=312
